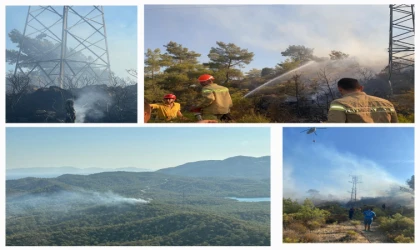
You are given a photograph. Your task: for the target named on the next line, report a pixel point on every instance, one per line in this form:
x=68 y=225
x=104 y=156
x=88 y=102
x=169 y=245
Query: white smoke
x=65 y=201
x=331 y=70
x=107 y=198
x=92 y=104
x=329 y=171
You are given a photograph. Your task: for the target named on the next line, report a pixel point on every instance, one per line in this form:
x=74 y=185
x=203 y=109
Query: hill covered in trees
x=239 y=167
x=145 y=208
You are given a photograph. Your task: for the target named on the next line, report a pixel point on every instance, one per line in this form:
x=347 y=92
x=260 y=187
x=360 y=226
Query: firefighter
x=357 y=107
x=351 y=213
x=169 y=109
x=216 y=99
x=148 y=113
x=70 y=111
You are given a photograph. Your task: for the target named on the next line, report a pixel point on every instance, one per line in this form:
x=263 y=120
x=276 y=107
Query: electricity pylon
x=401 y=39
x=64 y=46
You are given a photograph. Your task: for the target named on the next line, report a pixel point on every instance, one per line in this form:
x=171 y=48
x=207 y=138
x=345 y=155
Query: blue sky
x=151 y=148
x=381 y=157
x=266 y=30
x=121 y=28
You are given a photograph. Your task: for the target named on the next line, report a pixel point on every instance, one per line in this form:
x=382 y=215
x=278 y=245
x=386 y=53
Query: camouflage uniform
x=358 y=107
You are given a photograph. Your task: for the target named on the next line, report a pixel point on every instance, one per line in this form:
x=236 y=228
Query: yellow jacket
x=358 y=107
x=165 y=112
x=217 y=100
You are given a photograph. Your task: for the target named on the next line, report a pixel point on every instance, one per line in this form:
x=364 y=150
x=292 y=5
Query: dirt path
x=350 y=232
x=373 y=236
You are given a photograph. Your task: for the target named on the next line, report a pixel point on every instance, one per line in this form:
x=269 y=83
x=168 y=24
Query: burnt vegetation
x=36 y=98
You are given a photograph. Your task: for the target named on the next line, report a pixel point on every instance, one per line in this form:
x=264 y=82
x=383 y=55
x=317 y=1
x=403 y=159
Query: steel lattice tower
x=64 y=46
x=354 y=181
x=401 y=39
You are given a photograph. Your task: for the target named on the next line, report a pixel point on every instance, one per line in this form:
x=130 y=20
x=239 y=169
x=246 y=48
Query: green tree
x=227 y=57
x=34 y=48
x=182 y=67
x=152 y=63
x=295 y=87
x=338 y=55
x=267 y=72
x=298 y=53
x=179 y=54
x=287 y=65
x=253 y=73
x=313 y=193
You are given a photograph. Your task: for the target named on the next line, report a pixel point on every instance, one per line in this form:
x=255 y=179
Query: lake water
x=259 y=199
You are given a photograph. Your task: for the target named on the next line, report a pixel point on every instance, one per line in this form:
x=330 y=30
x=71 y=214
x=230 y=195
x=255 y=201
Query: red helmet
x=205 y=77
x=170 y=96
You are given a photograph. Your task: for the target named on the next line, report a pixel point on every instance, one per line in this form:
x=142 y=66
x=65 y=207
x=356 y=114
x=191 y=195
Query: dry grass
x=299 y=228
x=310 y=238
x=344 y=232
x=290 y=236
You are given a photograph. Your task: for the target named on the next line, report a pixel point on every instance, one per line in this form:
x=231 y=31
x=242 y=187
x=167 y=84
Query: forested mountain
x=145 y=208
x=51 y=172
x=239 y=166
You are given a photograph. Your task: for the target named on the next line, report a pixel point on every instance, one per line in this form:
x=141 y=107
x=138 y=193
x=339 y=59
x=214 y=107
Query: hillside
x=144 y=185
x=145 y=208
x=93 y=104
x=138 y=225
x=234 y=167
x=330 y=223
x=51 y=172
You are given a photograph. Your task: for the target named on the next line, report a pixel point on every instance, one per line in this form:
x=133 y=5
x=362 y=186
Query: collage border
x=276 y=130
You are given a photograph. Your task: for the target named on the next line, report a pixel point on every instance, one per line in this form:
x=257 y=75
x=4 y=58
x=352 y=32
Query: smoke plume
x=328 y=171
x=65 y=201
x=91 y=105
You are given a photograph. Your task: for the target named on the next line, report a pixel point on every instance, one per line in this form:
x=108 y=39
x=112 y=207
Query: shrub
x=402 y=239
x=350 y=236
x=290 y=240
x=290 y=206
x=290 y=236
x=312 y=225
x=406 y=118
x=287 y=219
x=336 y=218
x=253 y=118
x=307 y=214
x=309 y=237
x=298 y=227
x=355 y=222
x=398 y=227
x=351 y=233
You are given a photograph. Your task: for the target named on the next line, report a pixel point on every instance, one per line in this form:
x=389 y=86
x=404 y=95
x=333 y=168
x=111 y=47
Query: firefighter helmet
x=205 y=78
x=170 y=96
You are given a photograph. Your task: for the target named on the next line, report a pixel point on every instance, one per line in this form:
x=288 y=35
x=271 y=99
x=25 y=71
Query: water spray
x=280 y=76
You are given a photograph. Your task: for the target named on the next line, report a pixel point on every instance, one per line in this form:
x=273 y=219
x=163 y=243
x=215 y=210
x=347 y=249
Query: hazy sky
x=121 y=28
x=150 y=148
x=381 y=157
x=266 y=30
